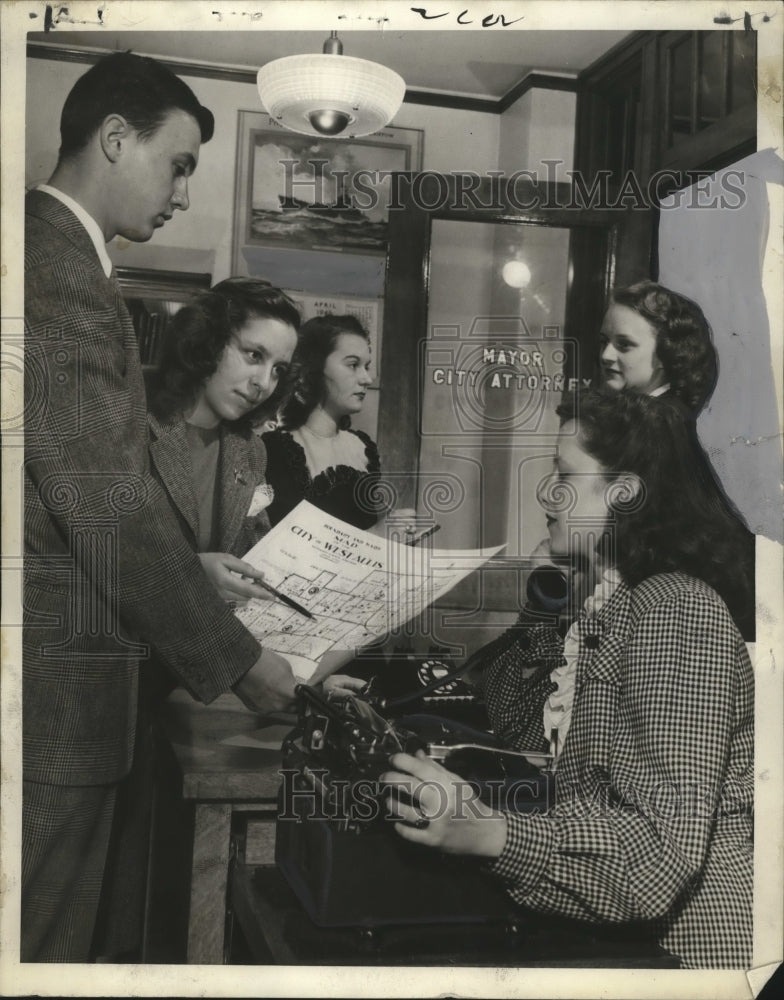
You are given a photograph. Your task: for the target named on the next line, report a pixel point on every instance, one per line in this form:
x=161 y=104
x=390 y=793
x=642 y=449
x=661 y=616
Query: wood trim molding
x=64 y=53
x=237 y=74
x=540 y=81
x=459 y=102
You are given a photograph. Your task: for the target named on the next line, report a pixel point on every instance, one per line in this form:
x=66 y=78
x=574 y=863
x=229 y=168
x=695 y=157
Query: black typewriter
x=336 y=845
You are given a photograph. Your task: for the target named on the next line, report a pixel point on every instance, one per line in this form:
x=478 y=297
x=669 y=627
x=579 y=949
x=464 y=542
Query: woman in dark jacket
x=222 y=366
x=222 y=359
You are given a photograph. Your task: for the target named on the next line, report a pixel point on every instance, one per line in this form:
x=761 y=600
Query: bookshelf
x=152 y=298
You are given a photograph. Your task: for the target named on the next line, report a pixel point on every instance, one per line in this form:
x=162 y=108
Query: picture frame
x=300 y=195
x=152 y=298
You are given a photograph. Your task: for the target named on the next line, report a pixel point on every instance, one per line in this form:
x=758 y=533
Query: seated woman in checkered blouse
x=651 y=824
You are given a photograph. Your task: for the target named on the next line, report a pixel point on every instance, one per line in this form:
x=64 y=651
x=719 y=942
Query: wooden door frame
x=408 y=286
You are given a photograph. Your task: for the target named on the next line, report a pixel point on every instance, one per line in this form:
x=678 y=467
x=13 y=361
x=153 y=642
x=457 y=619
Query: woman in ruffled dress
x=314 y=454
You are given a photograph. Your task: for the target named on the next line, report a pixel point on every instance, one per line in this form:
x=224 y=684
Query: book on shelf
x=149 y=332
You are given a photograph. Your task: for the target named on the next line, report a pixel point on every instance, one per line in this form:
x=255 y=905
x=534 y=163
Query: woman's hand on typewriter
x=444 y=810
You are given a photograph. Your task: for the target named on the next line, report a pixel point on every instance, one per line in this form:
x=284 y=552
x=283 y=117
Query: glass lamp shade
x=303 y=92
x=516 y=273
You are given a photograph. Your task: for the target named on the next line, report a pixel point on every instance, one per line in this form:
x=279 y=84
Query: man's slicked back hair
x=140 y=89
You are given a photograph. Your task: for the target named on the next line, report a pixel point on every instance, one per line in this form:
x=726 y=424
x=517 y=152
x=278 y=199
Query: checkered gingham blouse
x=652 y=818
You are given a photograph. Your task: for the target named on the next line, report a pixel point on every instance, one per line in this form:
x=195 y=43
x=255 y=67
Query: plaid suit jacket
x=241 y=468
x=107 y=569
x=654 y=789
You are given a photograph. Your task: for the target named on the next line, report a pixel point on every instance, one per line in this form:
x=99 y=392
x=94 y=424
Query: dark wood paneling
x=592 y=265
x=404 y=324
x=607 y=65
x=715 y=144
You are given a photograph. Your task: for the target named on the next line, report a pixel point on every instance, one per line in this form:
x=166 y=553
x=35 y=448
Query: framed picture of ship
x=305 y=193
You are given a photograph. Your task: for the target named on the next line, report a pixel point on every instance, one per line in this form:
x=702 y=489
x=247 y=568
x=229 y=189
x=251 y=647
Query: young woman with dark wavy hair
x=657 y=342
x=680 y=520
x=222 y=358
x=315 y=455
x=221 y=370
x=650 y=830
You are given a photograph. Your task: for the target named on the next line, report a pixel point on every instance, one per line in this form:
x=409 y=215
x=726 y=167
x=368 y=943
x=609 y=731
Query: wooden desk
x=220 y=780
x=221 y=783
x=278 y=931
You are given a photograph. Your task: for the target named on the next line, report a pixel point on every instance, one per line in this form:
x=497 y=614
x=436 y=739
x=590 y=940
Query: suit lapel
x=170 y=456
x=234 y=488
x=52 y=211
x=130 y=341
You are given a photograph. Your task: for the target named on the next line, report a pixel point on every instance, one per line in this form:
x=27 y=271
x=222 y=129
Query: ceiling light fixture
x=330 y=94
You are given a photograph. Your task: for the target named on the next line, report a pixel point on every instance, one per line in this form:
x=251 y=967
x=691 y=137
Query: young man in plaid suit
x=107 y=573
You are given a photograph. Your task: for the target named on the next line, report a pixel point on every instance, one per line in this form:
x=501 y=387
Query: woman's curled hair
x=682 y=520
x=684 y=342
x=305 y=384
x=197 y=335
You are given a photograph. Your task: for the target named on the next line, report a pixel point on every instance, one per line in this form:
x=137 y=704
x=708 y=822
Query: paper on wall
x=358 y=586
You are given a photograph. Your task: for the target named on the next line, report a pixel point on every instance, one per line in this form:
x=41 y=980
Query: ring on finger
x=421 y=822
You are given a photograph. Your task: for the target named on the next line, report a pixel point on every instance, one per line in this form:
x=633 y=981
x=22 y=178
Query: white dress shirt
x=89 y=223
